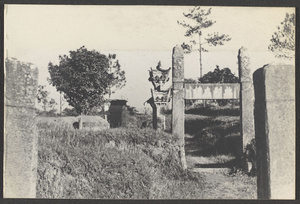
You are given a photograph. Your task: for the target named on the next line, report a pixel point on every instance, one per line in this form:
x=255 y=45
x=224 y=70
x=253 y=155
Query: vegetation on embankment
x=113 y=164
x=134 y=163
x=210 y=130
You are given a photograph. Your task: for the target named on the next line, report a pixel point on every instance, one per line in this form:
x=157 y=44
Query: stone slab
x=20 y=135
x=275 y=131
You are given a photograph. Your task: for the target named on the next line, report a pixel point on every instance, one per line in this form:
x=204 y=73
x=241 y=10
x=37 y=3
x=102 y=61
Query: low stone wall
x=212 y=91
x=20 y=137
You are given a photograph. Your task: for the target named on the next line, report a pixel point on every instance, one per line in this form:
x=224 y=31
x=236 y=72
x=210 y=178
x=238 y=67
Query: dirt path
x=220 y=183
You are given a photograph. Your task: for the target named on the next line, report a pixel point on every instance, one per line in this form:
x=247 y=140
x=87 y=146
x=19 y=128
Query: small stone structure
x=89 y=122
x=116 y=111
x=20 y=136
x=274 y=87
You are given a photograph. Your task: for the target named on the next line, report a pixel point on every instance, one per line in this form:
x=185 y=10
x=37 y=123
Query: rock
x=92 y=122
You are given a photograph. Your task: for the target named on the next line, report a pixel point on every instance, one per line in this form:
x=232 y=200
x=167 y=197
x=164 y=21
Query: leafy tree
x=117 y=74
x=85 y=77
x=198 y=22
x=283 y=41
x=189 y=80
x=43 y=97
x=220 y=76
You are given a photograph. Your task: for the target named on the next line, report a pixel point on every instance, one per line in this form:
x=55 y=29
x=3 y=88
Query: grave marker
x=178 y=100
x=275 y=131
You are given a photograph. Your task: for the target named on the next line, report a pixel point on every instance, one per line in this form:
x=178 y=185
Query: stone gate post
x=20 y=136
x=178 y=100
x=246 y=98
x=274 y=87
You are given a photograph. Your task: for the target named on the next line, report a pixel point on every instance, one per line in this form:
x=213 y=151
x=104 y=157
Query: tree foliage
x=189 y=80
x=283 y=40
x=118 y=76
x=199 y=20
x=43 y=98
x=219 y=76
x=85 y=77
x=70 y=112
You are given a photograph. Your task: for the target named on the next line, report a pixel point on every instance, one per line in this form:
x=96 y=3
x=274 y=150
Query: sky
x=140 y=36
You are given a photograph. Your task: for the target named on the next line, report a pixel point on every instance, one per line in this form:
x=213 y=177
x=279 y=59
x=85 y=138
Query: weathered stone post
x=154 y=116
x=246 y=98
x=20 y=136
x=274 y=87
x=178 y=100
x=80 y=126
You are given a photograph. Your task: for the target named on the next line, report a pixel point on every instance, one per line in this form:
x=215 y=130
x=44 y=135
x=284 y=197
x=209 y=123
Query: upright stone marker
x=116 y=113
x=178 y=100
x=246 y=97
x=274 y=87
x=20 y=137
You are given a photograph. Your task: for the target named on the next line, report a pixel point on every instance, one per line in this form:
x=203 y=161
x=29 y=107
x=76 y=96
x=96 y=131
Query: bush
x=113 y=164
x=70 y=112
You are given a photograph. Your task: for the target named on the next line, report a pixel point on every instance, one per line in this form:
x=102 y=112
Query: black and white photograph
x=149 y=102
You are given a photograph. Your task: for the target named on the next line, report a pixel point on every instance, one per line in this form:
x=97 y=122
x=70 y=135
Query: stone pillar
x=154 y=116
x=20 y=136
x=161 y=117
x=178 y=100
x=80 y=126
x=274 y=87
x=246 y=98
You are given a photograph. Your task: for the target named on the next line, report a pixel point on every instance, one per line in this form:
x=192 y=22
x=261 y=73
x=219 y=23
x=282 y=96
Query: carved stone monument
x=160 y=94
x=178 y=100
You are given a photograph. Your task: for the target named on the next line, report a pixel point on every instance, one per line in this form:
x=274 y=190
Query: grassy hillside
x=135 y=163
x=114 y=164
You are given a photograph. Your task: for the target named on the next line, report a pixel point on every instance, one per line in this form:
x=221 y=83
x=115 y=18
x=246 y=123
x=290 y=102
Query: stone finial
x=178 y=52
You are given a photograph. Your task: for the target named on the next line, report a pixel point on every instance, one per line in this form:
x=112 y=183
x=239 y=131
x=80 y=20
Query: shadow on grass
x=214 y=111
x=228 y=164
x=212 y=136
x=211 y=131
